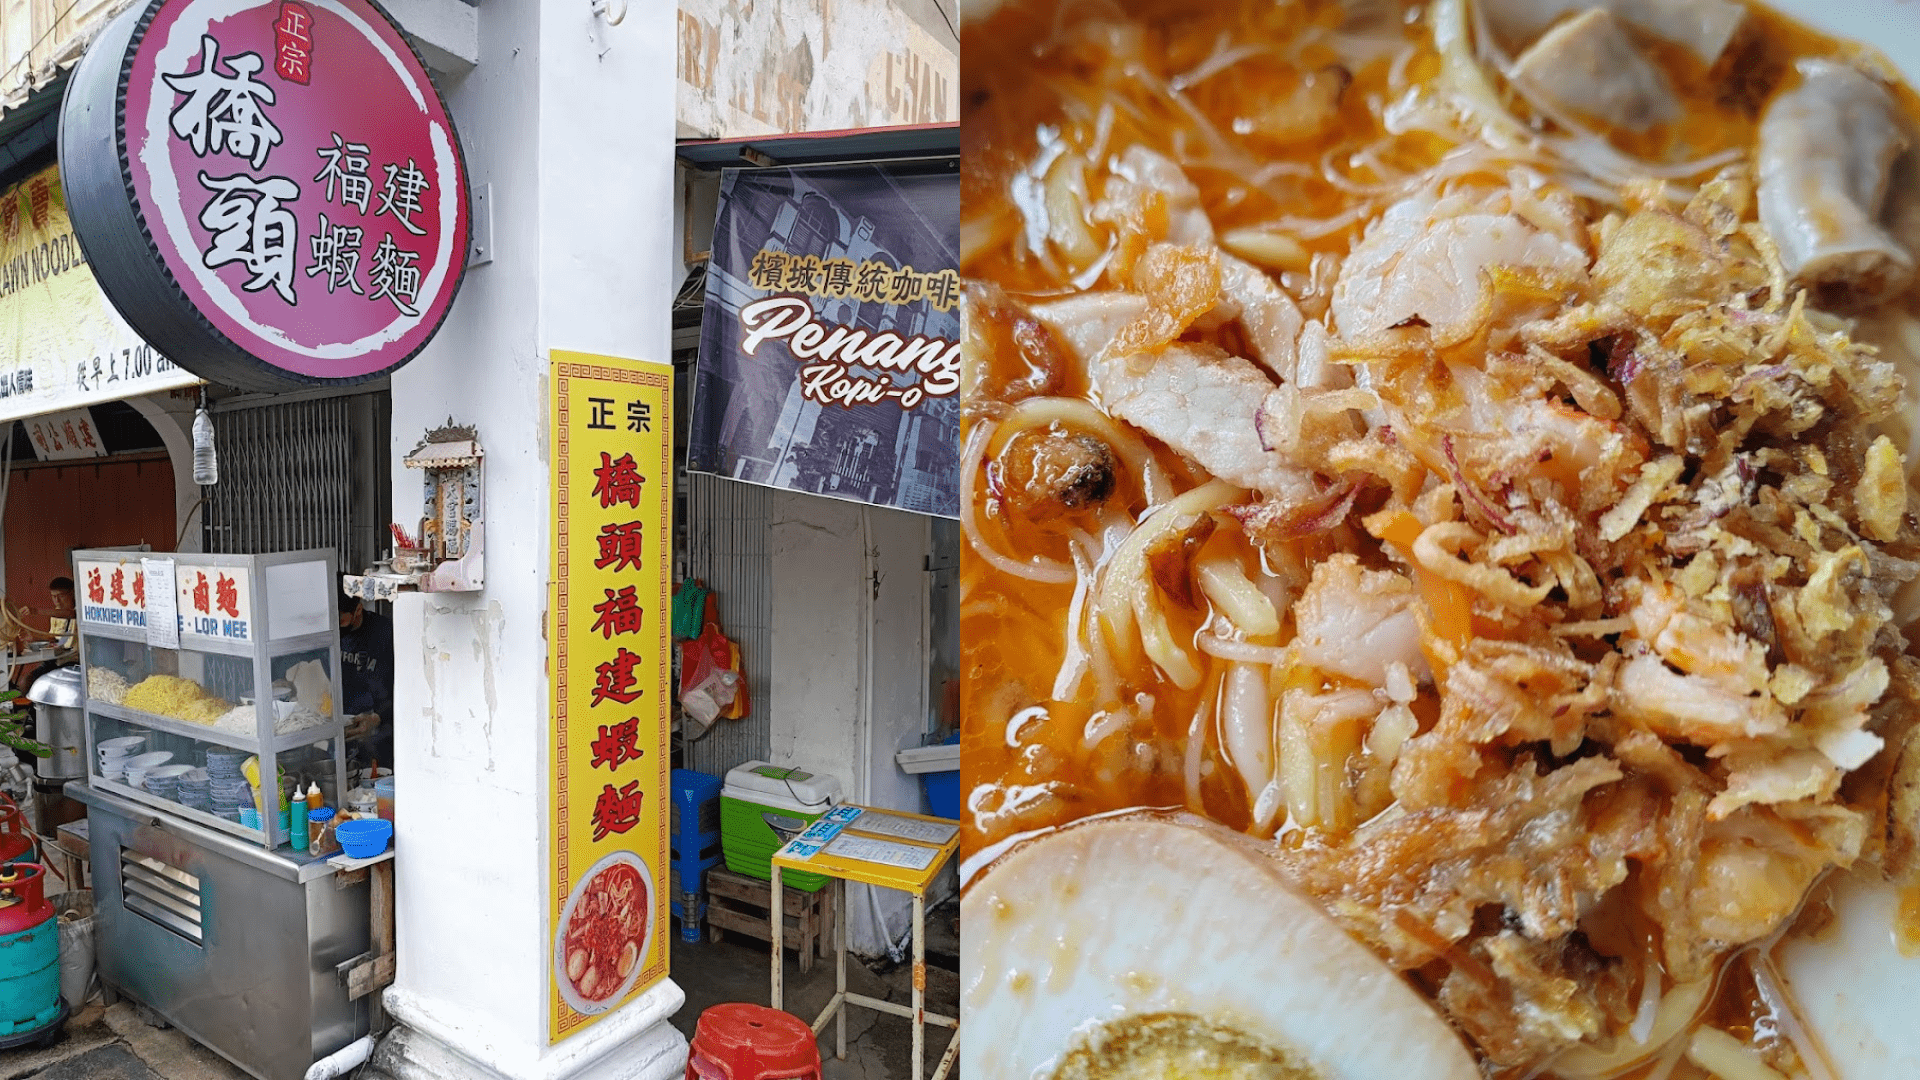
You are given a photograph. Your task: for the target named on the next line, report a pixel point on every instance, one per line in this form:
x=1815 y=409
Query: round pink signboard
x=296 y=179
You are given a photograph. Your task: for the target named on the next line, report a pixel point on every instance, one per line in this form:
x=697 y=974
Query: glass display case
x=218 y=717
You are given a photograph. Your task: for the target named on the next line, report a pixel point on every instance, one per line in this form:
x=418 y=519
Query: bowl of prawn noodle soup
x=604 y=932
x=1325 y=238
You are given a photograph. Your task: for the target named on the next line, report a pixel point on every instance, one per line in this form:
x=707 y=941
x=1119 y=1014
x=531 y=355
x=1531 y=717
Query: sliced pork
x=1201 y=402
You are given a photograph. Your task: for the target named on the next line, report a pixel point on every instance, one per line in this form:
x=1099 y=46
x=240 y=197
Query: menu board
x=884 y=852
x=612 y=491
x=886 y=848
x=880 y=823
x=163 y=613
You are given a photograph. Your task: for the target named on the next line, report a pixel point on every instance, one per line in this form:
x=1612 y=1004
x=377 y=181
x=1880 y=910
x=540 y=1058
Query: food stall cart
x=212 y=686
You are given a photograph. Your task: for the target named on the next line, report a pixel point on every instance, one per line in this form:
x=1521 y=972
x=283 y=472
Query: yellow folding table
x=890 y=850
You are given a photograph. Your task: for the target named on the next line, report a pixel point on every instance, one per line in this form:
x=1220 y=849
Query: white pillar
x=171 y=414
x=577 y=150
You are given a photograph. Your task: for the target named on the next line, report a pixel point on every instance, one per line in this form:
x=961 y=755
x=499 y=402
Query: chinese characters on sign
x=64 y=435
x=111 y=594
x=224 y=112
x=214 y=602
x=293 y=42
x=872 y=281
x=611 y=482
x=299 y=184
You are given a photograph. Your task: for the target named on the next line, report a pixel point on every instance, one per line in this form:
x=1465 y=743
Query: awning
x=62 y=345
x=817 y=147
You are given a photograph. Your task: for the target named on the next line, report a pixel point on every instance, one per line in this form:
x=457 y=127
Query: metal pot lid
x=60 y=688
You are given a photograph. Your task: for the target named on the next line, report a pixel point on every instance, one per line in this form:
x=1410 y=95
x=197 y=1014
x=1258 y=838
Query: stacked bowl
x=229 y=797
x=164 y=781
x=114 y=753
x=196 y=790
x=139 y=767
x=225 y=764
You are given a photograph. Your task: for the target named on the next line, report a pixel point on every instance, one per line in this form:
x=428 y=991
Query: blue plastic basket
x=363 y=838
x=943 y=793
x=943 y=789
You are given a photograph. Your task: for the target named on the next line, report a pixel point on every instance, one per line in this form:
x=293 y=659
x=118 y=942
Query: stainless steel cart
x=248 y=951
x=264 y=954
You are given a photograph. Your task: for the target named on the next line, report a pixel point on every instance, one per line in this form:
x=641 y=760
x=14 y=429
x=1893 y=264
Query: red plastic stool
x=738 y=1041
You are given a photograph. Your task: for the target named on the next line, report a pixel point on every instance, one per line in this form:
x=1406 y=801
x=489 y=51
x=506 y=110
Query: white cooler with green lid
x=763 y=806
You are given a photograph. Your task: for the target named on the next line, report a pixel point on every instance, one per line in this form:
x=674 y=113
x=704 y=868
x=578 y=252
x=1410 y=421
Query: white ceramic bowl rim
x=574 y=1000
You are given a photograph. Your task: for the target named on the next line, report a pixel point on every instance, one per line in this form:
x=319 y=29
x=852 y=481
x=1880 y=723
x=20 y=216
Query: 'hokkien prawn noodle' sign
x=271 y=192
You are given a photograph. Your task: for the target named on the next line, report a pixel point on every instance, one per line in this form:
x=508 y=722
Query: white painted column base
x=430 y=1042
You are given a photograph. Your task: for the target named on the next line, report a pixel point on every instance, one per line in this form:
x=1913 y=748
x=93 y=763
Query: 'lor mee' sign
x=270 y=191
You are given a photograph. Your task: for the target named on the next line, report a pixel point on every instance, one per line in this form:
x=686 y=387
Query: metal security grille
x=727 y=548
x=301 y=474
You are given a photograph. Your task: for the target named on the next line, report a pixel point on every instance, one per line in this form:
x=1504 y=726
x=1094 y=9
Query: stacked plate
x=227 y=797
x=196 y=790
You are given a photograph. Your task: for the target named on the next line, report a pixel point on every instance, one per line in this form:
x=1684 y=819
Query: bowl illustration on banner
x=601 y=944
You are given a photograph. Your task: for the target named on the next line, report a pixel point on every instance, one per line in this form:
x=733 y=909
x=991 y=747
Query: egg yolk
x=1179 y=1046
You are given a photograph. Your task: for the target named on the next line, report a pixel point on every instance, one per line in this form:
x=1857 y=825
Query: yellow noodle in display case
x=181 y=699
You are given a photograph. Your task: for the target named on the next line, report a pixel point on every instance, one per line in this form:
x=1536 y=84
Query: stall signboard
x=62 y=345
x=66 y=435
x=213 y=602
x=830 y=350
x=612 y=460
x=269 y=191
x=111 y=593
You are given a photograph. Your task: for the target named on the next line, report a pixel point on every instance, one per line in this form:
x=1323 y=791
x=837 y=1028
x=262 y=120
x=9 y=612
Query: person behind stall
x=366 y=678
x=59 y=635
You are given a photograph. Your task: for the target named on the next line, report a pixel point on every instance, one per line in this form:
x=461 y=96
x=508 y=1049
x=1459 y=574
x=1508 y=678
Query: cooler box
x=762 y=807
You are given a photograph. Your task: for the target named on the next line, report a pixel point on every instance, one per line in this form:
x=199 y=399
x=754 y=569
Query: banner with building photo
x=62 y=345
x=830 y=349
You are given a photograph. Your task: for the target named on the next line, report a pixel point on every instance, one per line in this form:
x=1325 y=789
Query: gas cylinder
x=16 y=834
x=29 y=952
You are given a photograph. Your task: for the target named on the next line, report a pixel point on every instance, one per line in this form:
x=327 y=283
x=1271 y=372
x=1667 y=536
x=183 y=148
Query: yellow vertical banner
x=607 y=640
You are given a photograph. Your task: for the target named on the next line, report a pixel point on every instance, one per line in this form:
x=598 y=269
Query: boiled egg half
x=1158 y=946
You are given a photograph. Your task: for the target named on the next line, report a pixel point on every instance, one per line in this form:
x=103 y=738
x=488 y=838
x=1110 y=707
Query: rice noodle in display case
x=1455 y=462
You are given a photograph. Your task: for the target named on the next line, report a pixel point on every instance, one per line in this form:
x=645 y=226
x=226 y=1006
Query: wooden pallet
x=739 y=904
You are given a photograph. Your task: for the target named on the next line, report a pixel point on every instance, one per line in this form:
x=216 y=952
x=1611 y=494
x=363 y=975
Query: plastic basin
x=362 y=838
